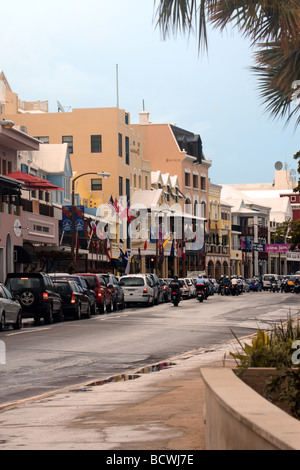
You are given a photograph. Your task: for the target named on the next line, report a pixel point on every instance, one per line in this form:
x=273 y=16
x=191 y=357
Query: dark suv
x=37 y=296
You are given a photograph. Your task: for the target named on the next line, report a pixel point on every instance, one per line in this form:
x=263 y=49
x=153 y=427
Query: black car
x=116 y=290
x=75 y=303
x=82 y=282
x=37 y=296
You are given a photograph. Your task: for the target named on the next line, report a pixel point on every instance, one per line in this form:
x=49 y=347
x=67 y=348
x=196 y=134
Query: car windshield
x=132 y=281
x=18 y=283
x=91 y=281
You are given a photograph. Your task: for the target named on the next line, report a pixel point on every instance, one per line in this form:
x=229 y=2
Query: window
x=120 y=186
x=68 y=139
x=96 y=184
x=44 y=139
x=96 y=143
x=187 y=179
x=195 y=181
x=120 y=138
x=127 y=150
x=203 y=183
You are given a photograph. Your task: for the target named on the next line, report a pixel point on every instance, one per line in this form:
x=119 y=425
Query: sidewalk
x=163 y=410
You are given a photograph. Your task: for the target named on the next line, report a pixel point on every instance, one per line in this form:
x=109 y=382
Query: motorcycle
x=200 y=292
x=234 y=289
x=175 y=298
x=296 y=287
x=274 y=287
x=225 y=290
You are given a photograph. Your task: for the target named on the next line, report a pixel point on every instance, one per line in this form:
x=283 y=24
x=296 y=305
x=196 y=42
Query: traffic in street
x=63 y=350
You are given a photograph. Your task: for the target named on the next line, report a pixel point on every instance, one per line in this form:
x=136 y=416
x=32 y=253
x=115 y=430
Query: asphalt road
x=40 y=359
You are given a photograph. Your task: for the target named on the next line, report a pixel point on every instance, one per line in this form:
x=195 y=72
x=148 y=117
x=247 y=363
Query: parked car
x=191 y=287
x=137 y=289
x=10 y=310
x=82 y=282
x=185 y=291
x=158 y=294
x=165 y=289
x=246 y=287
x=37 y=296
x=116 y=290
x=98 y=284
x=75 y=302
x=254 y=285
x=216 y=285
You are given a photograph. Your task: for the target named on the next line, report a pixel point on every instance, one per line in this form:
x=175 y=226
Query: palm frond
x=277 y=72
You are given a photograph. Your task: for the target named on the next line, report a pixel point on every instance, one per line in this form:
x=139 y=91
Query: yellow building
x=218 y=241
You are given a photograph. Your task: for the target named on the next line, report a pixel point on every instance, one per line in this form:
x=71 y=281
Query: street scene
x=149 y=213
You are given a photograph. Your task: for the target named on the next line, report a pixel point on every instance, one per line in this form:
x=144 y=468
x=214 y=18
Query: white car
x=191 y=286
x=137 y=289
x=185 y=290
x=10 y=310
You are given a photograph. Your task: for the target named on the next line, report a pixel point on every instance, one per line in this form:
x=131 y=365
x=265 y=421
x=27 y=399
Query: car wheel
x=60 y=316
x=110 y=307
x=77 y=314
x=88 y=313
x=48 y=318
x=27 y=298
x=18 y=324
x=2 y=322
x=102 y=307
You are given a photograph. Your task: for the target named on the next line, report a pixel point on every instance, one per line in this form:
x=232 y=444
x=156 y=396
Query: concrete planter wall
x=239 y=418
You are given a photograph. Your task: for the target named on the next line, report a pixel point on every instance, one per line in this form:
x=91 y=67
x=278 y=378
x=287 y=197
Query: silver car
x=137 y=289
x=10 y=310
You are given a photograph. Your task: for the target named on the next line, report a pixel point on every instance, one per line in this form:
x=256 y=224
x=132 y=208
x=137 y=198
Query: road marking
x=29 y=331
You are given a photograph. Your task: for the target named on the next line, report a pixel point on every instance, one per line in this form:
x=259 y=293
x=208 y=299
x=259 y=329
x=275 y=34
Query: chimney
x=144 y=117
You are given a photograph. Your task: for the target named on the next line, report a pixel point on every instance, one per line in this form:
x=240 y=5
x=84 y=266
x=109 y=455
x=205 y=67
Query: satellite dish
x=60 y=107
x=278 y=166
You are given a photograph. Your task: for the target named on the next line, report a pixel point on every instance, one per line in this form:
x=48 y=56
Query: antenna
x=278 y=166
x=117 y=79
x=60 y=107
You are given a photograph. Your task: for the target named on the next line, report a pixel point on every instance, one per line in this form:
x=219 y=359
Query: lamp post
x=104 y=175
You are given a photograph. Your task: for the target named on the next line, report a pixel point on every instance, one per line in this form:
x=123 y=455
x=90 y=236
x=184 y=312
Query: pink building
x=24 y=221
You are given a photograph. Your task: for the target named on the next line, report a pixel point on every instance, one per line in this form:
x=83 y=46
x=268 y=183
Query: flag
x=111 y=204
x=130 y=215
x=117 y=206
x=145 y=245
x=183 y=250
x=124 y=258
x=179 y=251
x=166 y=241
x=172 y=252
x=108 y=249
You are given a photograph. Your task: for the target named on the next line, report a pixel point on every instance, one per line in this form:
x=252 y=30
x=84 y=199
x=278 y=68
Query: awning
x=33 y=182
x=24 y=256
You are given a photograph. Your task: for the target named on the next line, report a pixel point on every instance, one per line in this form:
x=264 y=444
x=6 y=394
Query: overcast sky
x=68 y=51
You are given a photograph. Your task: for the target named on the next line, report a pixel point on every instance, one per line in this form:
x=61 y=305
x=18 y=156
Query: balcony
x=37 y=207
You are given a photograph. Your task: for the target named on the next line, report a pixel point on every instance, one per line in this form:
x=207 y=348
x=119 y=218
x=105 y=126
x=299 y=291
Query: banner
x=78 y=218
x=278 y=248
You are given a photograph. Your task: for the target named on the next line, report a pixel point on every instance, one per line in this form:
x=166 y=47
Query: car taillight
x=145 y=290
x=73 y=298
x=45 y=296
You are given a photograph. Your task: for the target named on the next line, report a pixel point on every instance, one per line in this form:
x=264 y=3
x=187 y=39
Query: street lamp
x=104 y=175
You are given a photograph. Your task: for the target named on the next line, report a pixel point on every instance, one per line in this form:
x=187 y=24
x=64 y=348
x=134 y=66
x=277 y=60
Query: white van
x=266 y=280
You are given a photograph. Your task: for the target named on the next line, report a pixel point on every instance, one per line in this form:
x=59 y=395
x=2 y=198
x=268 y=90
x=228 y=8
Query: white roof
x=51 y=157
